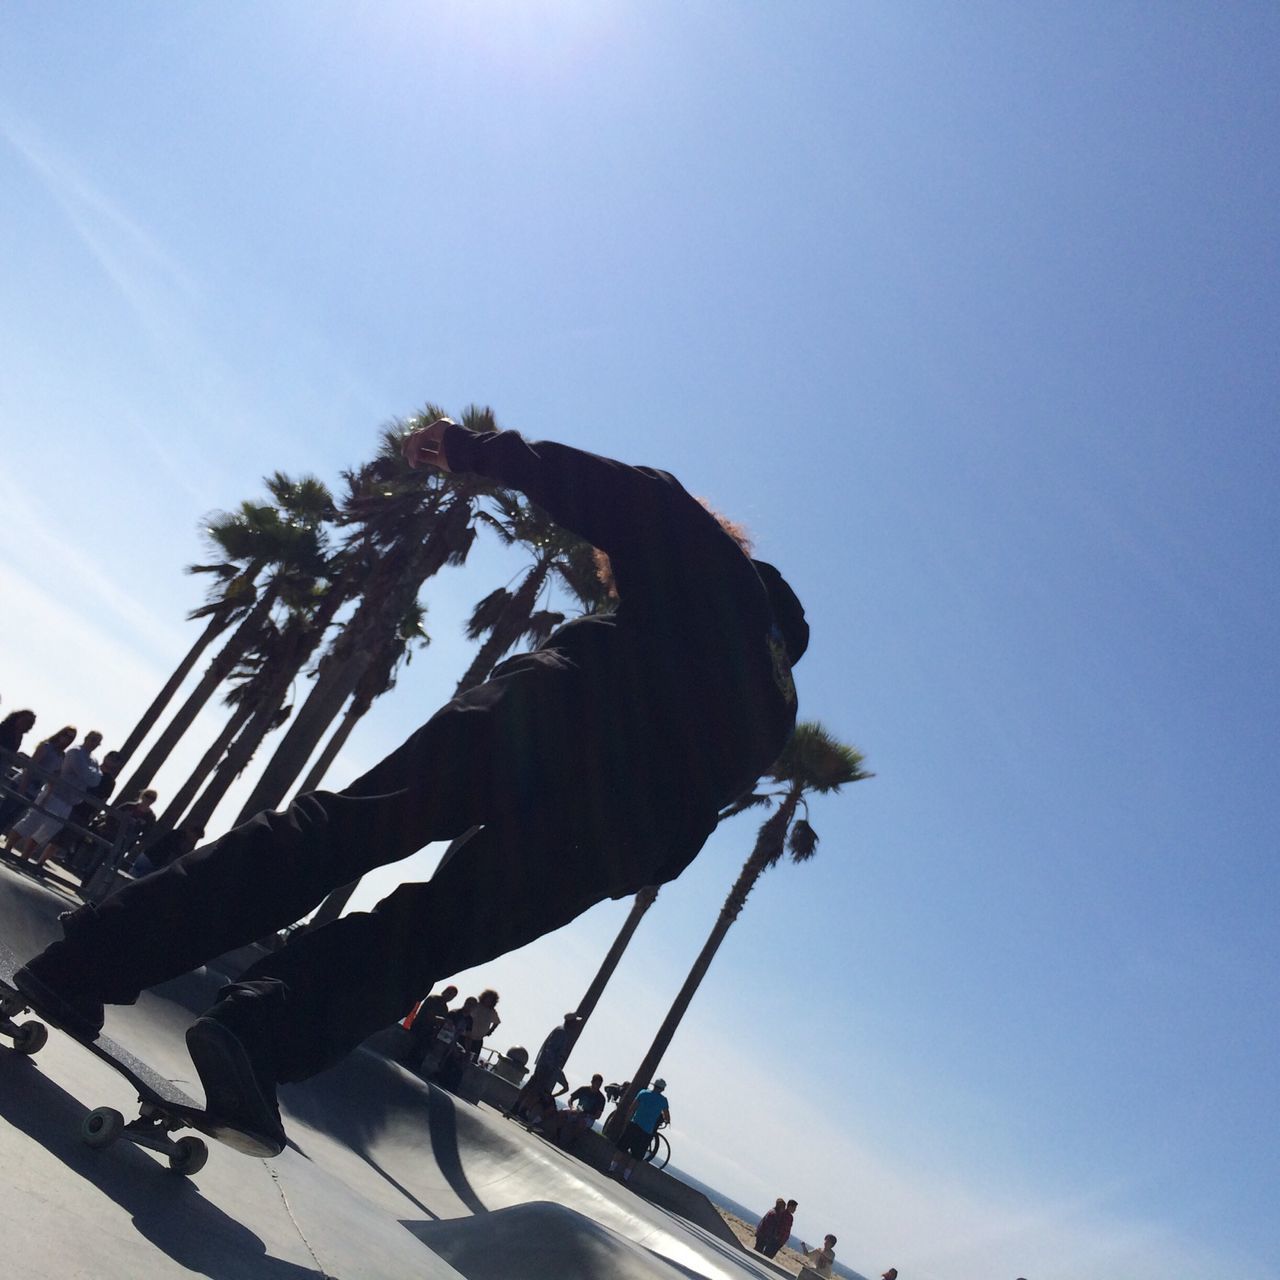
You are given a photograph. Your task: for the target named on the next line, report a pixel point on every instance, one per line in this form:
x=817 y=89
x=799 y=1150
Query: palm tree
x=233 y=593
x=409 y=525
x=287 y=541
x=379 y=678
x=267 y=675
x=812 y=763
x=187 y=792
x=506 y=617
x=640 y=904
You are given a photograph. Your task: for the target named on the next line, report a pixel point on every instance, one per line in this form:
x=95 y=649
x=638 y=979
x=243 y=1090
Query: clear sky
x=968 y=310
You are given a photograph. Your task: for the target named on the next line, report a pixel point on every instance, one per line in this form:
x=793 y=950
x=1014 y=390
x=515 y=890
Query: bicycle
x=659 y=1149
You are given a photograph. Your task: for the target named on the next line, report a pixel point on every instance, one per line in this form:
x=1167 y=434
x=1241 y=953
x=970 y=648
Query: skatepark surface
x=385 y=1175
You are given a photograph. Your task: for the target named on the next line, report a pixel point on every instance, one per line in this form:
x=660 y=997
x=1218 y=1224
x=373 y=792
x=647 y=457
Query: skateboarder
x=593 y=766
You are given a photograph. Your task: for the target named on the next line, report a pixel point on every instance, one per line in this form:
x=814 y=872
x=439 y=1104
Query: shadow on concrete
x=318 y=1104
x=167 y=1210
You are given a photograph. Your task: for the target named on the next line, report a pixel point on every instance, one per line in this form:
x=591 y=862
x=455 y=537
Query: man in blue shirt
x=650 y=1110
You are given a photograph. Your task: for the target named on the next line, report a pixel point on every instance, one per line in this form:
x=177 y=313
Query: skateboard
x=163 y=1108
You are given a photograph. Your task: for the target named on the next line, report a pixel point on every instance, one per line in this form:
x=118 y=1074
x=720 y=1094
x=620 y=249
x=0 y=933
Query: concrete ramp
x=385 y=1176
x=498 y=1245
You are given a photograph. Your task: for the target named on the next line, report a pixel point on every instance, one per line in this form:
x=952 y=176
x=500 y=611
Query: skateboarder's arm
x=643 y=518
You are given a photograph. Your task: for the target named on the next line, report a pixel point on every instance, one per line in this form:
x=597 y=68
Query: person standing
x=43 y=767
x=775 y=1228
x=424 y=1027
x=650 y=1112
x=13 y=728
x=484 y=1021
x=77 y=775
x=68 y=844
x=548 y=1068
x=565 y=761
x=767 y=1228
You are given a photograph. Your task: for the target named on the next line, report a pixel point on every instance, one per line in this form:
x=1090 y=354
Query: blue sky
x=969 y=311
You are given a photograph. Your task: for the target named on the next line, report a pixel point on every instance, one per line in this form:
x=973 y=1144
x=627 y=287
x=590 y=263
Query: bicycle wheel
x=659 y=1151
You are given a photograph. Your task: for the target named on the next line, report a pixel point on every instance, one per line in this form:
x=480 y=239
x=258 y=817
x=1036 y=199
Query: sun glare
x=525 y=38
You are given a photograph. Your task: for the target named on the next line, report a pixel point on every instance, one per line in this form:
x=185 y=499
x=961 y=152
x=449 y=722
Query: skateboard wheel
x=31 y=1037
x=102 y=1127
x=189 y=1156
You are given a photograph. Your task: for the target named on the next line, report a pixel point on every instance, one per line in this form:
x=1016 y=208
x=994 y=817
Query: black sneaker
x=234 y=1067
x=55 y=982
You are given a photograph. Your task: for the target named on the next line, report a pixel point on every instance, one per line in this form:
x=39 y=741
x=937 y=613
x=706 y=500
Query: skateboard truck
x=153 y=1127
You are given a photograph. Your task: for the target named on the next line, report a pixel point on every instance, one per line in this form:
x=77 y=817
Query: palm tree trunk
x=332 y=688
x=245 y=635
x=238 y=756
x=331 y=908
x=301 y=639
x=751 y=871
x=186 y=793
x=379 y=612
x=336 y=742
x=217 y=622
x=591 y=997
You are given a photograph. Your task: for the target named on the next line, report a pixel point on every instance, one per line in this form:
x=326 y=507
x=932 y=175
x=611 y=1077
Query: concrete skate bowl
x=555 y=1241
x=472 y=1187
x=483 y=1186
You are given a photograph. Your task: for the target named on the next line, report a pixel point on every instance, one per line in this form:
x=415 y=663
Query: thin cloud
x=128 y=255
x=79 y=576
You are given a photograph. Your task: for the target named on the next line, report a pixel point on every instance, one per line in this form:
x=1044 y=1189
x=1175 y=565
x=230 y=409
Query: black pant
x=484 y=759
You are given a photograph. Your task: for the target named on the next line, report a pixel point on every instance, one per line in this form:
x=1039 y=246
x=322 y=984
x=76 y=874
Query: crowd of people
x=54 y=803
x=443 y=1038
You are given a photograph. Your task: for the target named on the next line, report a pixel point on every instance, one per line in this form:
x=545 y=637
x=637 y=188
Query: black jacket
x=676 y=702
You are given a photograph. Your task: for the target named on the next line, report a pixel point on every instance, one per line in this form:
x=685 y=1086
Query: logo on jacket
x=781 y=666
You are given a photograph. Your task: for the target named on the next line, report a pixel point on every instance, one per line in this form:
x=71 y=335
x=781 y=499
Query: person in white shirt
x=78 y=773
x=484 y=1021
x=821 y=1260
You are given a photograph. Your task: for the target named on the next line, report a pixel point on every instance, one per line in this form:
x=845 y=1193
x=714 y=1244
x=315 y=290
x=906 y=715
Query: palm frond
x=487 y=613
x=802 y=841
x=816 y=761
x=752 y=800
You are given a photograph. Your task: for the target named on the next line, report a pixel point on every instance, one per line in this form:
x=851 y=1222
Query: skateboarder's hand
x=425 y=446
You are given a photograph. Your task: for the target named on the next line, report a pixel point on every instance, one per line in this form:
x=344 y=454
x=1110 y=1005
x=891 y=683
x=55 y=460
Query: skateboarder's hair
x=735 y=529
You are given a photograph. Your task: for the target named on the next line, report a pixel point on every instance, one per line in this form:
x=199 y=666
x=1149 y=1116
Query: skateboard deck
x=163 y=1108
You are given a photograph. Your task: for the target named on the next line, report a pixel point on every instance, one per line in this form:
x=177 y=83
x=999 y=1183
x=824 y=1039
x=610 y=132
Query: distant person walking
x=566 y=761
